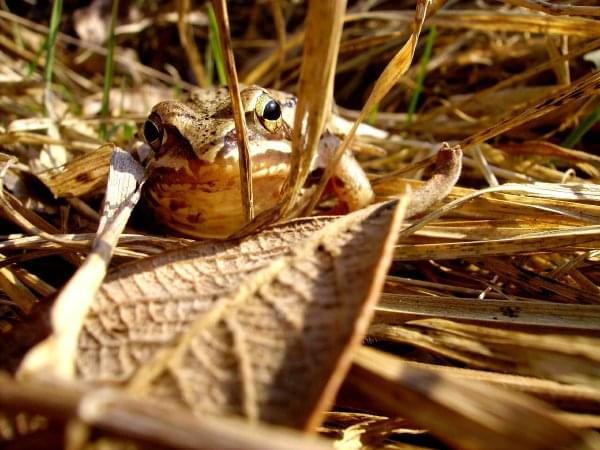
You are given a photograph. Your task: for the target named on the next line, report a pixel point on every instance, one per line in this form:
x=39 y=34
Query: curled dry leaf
x=448 y=165
x=261 y=327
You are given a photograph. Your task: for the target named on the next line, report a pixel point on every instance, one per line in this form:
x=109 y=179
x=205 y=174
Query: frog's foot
x=349 y=182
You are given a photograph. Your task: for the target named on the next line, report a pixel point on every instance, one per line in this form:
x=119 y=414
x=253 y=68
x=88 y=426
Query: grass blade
x=52 y=33
x=109 y=68
x=421 y=75
x=215 y=44
x=583 y=128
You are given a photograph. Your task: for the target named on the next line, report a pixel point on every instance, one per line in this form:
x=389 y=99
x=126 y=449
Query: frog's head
x=203 y=127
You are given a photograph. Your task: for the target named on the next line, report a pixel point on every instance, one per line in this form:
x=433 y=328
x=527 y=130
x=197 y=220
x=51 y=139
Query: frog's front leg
x=349 y=181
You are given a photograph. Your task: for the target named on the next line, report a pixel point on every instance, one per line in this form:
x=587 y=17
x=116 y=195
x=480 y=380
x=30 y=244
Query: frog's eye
x=153 y=131
x=268 y=112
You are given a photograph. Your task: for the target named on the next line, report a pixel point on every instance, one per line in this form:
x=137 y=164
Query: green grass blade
x=583 y=128
x=51 y=41
x=215 y=45
x=372 y=117
x=414 y=100
x=33 y=64
x=108 y=70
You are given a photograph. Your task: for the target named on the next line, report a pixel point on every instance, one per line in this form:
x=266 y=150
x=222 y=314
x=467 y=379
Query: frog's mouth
x=270 y=163
x=259 y=145
x=175 y=145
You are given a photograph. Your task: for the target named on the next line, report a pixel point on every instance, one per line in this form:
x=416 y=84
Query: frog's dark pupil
x=272 y=110
x=151 y=132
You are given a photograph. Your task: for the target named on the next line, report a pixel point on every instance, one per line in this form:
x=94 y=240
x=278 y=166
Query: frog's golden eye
x=153 y=131
x=268 y=112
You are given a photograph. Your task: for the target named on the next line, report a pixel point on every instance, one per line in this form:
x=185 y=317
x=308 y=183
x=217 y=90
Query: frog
x=193 y=179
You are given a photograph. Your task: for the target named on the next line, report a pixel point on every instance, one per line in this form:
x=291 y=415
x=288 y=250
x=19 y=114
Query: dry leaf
x=448 y=164
x=56 y=353
x=251 y=328
x=81 y=176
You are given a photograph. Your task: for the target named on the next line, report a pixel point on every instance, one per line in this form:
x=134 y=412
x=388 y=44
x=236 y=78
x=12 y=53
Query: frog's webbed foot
x=448 y=165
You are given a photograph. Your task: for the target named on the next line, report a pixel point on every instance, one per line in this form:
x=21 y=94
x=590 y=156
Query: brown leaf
x=81 y=176
x=57 y=353
x=261 y=327
x=198 y=275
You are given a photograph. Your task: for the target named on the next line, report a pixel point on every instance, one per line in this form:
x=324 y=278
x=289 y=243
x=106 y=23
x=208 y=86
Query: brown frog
x=193 y=184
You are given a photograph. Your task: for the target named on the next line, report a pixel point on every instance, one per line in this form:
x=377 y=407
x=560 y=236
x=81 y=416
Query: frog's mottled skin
x=193 y=185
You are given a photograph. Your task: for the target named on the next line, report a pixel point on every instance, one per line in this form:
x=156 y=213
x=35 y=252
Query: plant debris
x=471 y=281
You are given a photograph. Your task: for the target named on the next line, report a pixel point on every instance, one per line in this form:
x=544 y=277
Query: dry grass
x=488 y=330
